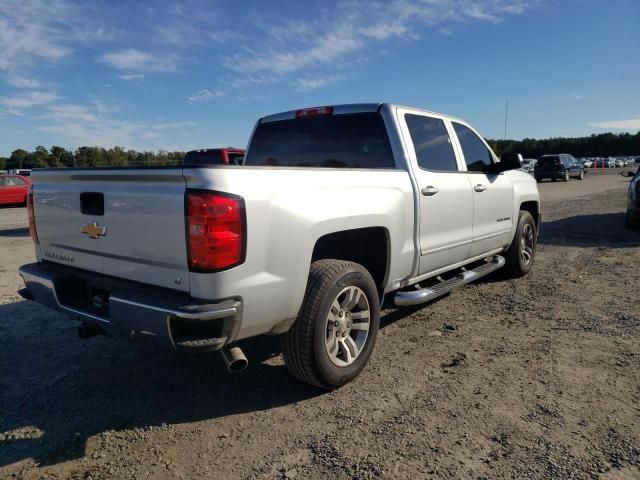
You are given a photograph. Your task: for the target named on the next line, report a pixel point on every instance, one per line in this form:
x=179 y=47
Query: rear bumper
x=131 y=310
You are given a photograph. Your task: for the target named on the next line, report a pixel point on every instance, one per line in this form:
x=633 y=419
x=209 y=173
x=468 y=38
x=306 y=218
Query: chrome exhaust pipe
x=234 y=359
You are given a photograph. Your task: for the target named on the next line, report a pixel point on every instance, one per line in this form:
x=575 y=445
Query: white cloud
x=173 y=125
x=138 y=61
x=204 y=95
x=225 y=36
x=80 y=125
x=632 y=124
x=18 y=103
x=313 y=83
x=71 y=112
x=104 y=134
x=32 y=30
x=132 y=76
x=335 y=37
x=23 y=82
x=326 y=49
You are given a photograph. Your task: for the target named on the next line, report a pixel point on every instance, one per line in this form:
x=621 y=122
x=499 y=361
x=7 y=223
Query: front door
x=445 y=195
x=492 y=194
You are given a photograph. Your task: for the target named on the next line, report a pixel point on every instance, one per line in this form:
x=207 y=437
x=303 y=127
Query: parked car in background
x=528 y=164
x=587 y=163
x=602 y=163
x=25 y=172
x=14 y=189
x=632 y=217
x=561 y=166
x=214 y=156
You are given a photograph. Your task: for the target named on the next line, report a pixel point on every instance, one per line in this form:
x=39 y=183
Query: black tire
x=303 y=346
x=538 y=179
x=515 y=266
x=581 y=176
x=553 y=179
x=629 y=223
x=565 y=177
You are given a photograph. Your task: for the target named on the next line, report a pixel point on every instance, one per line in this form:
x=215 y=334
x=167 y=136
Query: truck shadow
x=14 y=232
x=593 y=230
x=59 y=391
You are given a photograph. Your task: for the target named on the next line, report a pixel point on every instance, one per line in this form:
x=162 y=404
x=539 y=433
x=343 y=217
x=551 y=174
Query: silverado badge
x=93 y=230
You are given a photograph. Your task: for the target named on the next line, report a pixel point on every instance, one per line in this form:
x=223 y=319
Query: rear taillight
x=216 y=233
x=558 y=163
x=314 y=112
x=31 y=215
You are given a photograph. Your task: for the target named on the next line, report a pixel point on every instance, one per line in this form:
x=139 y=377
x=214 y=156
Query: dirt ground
x=534 y=378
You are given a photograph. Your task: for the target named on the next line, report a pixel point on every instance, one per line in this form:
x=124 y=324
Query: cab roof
x=341 y=109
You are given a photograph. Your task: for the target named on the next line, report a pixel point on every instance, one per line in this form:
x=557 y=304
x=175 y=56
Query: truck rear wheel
x=520 y=255
x=333 y=337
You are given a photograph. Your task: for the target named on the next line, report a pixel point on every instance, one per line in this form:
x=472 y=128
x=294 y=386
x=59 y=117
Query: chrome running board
x=415 y=297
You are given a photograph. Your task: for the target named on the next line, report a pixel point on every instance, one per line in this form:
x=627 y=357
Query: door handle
x=480 y=188
x=430 y=191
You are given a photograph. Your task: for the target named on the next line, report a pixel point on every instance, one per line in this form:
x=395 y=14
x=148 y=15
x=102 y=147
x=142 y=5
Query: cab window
x=476 y=154
x=432 y=143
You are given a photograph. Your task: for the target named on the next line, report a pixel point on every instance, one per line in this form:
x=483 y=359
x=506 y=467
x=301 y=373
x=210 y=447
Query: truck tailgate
x=127 y=222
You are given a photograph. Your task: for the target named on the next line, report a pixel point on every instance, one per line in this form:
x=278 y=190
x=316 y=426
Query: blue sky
x=192 y=73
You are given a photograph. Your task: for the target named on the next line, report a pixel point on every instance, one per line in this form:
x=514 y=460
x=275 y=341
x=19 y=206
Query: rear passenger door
x=492 y=194
x=445 y=195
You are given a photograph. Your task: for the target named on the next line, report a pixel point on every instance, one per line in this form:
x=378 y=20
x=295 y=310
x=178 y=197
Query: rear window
x=203 y=157
x=236 y=158
x=544 y=161
x=11 y=181
x=357 y=140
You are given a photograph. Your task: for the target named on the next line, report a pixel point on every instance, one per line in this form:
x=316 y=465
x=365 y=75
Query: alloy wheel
x=527 y=242
x=347 y=326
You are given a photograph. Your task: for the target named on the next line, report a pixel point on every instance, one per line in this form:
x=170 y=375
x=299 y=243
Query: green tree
x=61 y=157
x=19 y=159
x=41 y=157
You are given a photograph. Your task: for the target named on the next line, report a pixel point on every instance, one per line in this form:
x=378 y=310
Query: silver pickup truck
x=335 y=210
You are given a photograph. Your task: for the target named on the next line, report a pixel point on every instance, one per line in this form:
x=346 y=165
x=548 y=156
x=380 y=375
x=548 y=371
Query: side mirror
x=508 y=161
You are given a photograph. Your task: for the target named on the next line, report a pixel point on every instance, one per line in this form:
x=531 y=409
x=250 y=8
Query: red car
x=14 y=189
x=214 y=156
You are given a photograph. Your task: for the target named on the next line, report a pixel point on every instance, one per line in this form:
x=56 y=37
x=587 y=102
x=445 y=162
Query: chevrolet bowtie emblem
x=93 y=230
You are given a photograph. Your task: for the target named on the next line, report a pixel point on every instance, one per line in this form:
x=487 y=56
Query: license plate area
x=84 y=295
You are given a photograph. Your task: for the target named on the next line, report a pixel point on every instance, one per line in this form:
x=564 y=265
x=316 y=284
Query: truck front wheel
x=520 y=255
x=333 y=337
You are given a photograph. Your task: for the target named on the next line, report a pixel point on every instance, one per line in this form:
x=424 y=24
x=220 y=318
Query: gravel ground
x=12 y=218
x=534 y=378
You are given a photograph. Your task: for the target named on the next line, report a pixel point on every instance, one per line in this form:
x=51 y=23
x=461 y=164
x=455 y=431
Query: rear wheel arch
x=368 y=246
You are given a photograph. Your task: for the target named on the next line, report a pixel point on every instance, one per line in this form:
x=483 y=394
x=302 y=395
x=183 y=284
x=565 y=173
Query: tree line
x=596 y=145
x=87 y=157
x=600 y=145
